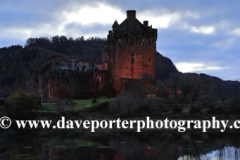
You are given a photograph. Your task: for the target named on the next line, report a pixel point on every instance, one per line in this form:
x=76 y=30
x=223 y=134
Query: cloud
x=76 y=29
x=226 y=44
x=89 y=20
x=188 y=31
x=191 y=14
x=178 y=20
x=23 y=33
x=200 y=29
x=203 y=29
x=236 y=31
x=163 y=20
x=195 y=67
x=100 y=13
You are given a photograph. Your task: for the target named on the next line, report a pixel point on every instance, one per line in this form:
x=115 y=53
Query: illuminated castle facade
x=131 y=50
x=130 y=54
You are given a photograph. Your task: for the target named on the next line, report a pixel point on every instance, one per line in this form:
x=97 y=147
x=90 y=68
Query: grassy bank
x=156 y=108
x=76 y=105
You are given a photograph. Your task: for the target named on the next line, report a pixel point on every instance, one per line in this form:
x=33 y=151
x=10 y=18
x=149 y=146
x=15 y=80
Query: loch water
x=118 y=145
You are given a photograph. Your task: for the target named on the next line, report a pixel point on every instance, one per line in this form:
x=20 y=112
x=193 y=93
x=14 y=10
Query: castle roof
x=133 y=26
x=115 y=24
x=139 y=26
x=131 y=23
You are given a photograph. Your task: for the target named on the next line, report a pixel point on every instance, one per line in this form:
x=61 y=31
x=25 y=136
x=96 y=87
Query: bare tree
x=129 y=100
x=191 y=86
x=173 y=83
x=234 y=101
x=162 y=90
x=222 y=92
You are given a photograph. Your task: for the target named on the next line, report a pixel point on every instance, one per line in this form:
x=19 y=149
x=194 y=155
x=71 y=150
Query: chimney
x=145 y=23
x=131 y=19
x=131 y=14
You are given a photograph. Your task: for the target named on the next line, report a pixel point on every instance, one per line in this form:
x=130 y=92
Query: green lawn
x=49 y=105
x=79 y=104
x=45 y=111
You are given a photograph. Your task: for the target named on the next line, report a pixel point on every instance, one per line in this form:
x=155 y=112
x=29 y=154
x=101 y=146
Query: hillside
x=17 y=62
x=224 y=89
x=164 y=67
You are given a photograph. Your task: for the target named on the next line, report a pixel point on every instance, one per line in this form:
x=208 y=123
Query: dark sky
x=198 y=36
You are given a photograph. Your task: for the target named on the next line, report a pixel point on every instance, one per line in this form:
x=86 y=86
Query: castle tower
x=131 y=50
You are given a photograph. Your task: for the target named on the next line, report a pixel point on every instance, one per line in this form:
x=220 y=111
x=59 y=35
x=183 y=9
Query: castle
x=130 y=54
x=131 y=50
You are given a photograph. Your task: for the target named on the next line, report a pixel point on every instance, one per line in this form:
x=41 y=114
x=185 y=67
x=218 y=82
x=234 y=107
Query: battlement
x=132 y=28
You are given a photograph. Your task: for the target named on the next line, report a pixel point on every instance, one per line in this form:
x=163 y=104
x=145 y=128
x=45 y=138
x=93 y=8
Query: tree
x=23 y=105
x=126 y=104
x=29 y=41
x=234 y=101
x=173 y=83
x=162 y=90
x=55 y=39
x=63 y=39
x=192 y=86
x=222 y=92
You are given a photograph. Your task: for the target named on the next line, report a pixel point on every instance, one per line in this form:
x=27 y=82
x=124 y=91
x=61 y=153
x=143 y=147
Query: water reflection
x=115 y=145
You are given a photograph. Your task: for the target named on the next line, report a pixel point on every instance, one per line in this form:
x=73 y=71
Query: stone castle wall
x=82 y=84
x=133 y=59
x=130 y=54
x=131 y=49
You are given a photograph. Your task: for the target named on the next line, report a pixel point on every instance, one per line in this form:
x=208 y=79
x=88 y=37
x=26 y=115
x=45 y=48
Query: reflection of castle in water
x=122 y=146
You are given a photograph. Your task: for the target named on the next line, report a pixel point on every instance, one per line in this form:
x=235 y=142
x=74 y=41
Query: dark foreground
x=117 y=145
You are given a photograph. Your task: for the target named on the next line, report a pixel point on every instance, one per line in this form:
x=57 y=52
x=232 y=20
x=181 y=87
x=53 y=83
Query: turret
x=115 y=25
x=145 y=23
